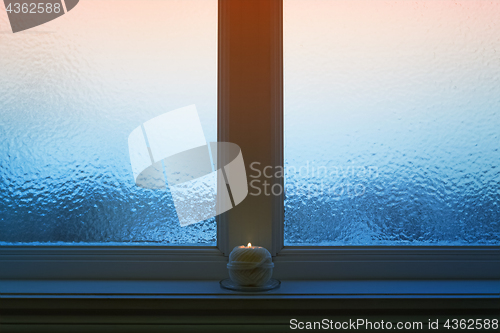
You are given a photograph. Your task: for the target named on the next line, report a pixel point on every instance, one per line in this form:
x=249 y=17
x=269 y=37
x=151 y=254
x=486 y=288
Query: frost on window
x=71 y=92
x=392 y=118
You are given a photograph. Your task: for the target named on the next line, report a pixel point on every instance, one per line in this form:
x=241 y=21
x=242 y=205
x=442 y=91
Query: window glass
x=392 y=118
x=71 y=92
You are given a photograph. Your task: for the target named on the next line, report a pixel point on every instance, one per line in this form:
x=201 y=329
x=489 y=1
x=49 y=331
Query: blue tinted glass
x=392 y=118
x=71 y=92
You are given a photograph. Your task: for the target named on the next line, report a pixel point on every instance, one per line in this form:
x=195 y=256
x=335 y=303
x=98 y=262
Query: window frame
x=250 y=63
x=22 y=262
x=301 y=262
x=368 y=262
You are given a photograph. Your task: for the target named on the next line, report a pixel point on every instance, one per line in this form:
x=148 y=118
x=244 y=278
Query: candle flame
x=249 y=245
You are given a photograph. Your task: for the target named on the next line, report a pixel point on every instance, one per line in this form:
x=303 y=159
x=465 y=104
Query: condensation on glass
x=71 y=92
x=392 y=122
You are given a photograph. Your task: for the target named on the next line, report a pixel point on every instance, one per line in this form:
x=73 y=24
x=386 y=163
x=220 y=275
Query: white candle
x=250 y=265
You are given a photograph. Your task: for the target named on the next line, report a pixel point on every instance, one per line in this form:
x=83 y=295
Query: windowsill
x=193 y=306
x=369 y=289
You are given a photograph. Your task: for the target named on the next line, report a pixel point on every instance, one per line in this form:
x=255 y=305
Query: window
x=73 y=93
x=391 y=123
x=73 y=89
x=391 y=155
x=250 y=114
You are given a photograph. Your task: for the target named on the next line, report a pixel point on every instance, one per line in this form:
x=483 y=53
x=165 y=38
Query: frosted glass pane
x=392 y=118
x=71 y=92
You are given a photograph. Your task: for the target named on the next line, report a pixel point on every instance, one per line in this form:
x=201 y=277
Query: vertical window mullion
x=249 y=109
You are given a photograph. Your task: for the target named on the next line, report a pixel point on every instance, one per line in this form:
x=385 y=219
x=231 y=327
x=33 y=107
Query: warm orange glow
x=249 y=245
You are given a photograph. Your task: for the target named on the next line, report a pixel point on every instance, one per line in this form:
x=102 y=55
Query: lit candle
x=250 y=265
